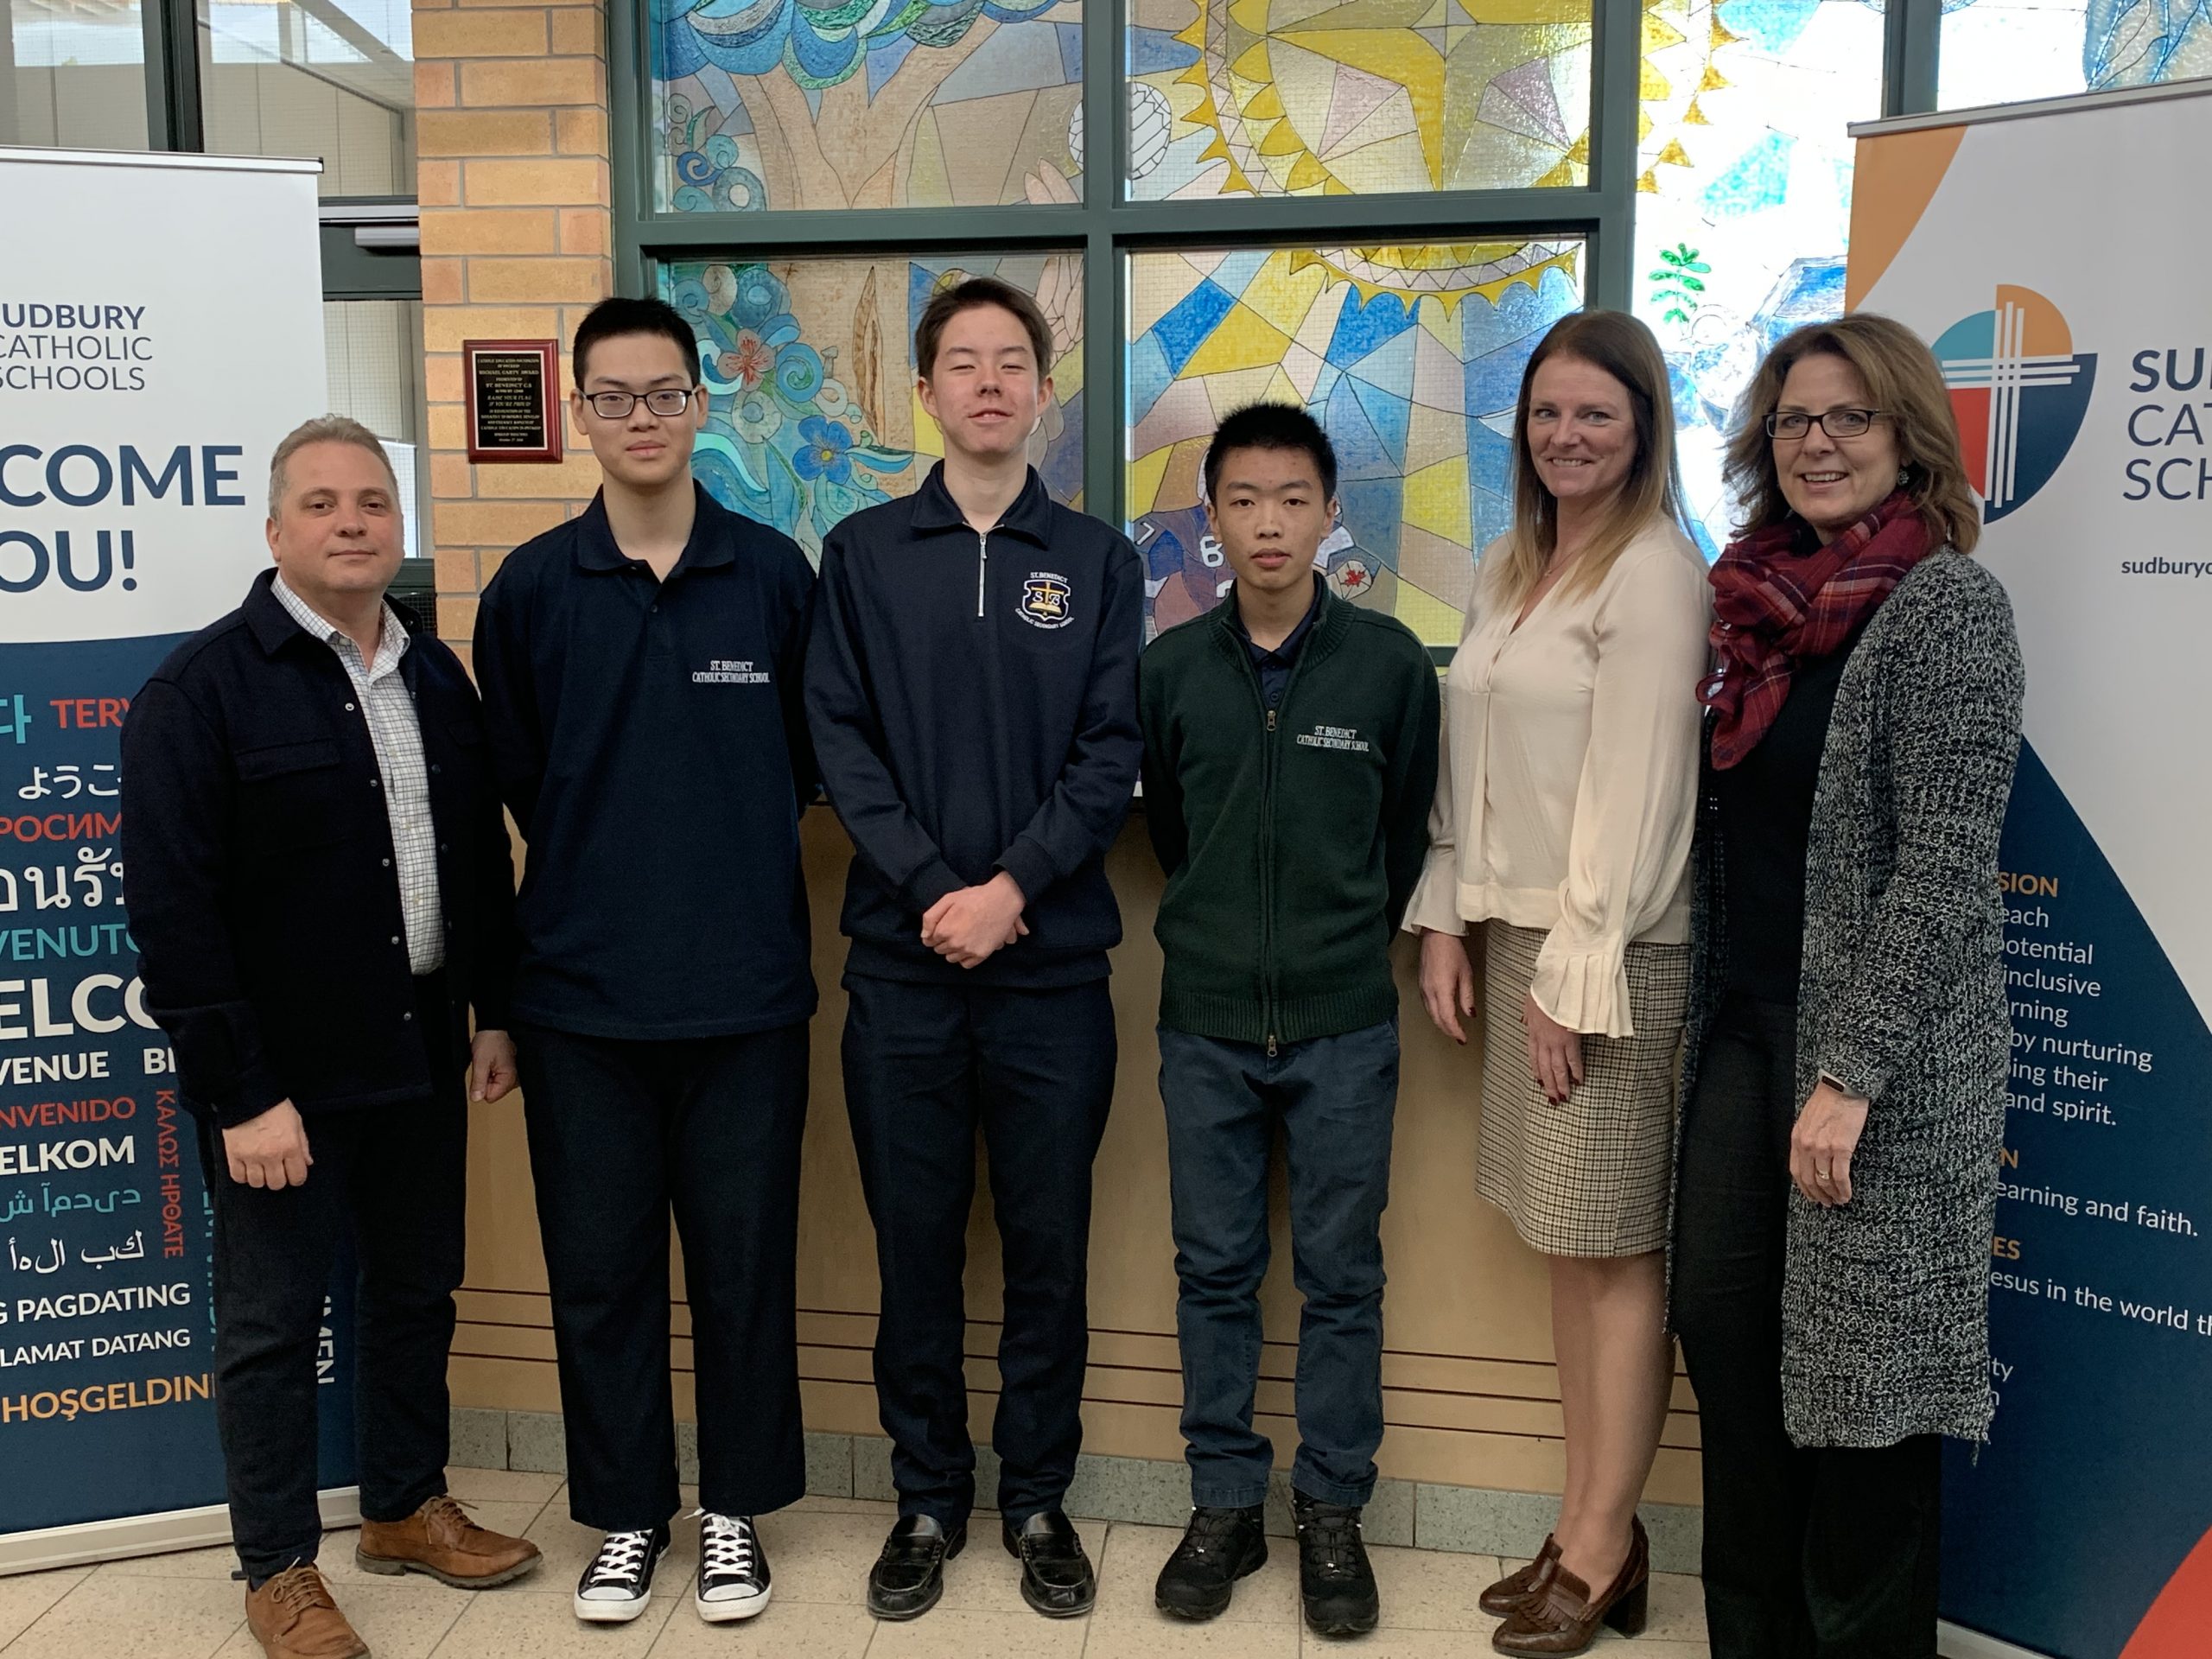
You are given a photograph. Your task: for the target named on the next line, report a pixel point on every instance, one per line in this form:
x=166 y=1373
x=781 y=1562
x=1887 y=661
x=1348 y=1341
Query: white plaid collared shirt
x=389 y=710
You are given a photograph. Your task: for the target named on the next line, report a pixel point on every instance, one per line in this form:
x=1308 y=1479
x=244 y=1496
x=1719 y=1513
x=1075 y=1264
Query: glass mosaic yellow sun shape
x=1344 y=96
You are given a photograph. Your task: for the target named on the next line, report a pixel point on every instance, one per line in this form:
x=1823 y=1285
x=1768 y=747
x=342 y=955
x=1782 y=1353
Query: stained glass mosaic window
x=1410 y=357
x=1743 y=205
x=2003 y=51
x=1356 y=96
x=810 y=373
x=788 y=104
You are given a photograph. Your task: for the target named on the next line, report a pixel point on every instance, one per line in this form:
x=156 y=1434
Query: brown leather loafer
x=1562 y=1617
x=293 y=1616
x=439 y=1539
x=1509 y=1592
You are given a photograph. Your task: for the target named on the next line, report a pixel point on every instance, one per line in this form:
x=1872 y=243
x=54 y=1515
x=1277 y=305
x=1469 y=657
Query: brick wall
x=517 y=238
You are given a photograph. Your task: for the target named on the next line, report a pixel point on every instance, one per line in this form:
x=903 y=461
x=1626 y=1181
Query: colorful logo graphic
x=1046 y=601
x=2019 y=390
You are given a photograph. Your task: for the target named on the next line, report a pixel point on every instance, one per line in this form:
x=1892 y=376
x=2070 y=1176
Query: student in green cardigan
x=1290 y=753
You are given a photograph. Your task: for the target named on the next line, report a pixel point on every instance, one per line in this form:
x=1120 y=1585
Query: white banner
x=2055 y=257
x=160 y=329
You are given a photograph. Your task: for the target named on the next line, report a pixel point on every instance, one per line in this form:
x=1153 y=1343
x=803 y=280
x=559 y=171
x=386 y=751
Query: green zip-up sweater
x=1292 y=839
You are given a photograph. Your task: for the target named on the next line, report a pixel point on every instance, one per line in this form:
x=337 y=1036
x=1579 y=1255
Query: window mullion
x=1617 y=68
x=1912 y=36
x=1105 y=169
x=630 y=138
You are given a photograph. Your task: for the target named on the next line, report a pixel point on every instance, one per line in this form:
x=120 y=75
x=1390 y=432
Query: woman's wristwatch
x=1843 y=1088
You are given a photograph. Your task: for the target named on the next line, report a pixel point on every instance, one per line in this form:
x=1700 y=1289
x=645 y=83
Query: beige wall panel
x=1469 y=1392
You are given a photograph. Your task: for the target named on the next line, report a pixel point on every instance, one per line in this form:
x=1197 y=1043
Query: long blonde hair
x=1903 y=382
x=1622 y=348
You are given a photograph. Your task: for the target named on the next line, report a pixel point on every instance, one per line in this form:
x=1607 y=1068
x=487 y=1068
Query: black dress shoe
x=1219 y=1547
x=909 y=1576
x=1335 y=1580
x=1056 y=1576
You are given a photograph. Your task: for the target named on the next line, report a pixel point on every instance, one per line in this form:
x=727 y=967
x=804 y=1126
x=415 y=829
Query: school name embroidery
x=719 y=672
x=1334 y=737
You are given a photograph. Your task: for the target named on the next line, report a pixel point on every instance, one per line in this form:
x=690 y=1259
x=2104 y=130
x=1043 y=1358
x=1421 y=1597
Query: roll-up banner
x=160 y=329
x=2056 y=257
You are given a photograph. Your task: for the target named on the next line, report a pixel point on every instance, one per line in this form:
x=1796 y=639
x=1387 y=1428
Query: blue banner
x=2096 y=1485
x=106 y=1313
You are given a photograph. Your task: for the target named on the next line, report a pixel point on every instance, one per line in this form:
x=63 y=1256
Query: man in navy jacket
x=971 y=689
x=321 y=887
x=640 y=667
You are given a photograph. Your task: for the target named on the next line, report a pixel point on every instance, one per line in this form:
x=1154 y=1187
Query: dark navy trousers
x=927 y=1066
x=396 y=1178
x=623 y=1135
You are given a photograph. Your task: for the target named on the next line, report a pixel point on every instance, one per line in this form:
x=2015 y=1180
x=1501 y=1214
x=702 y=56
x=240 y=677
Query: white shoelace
x=726 y=1545
x=619 y=1559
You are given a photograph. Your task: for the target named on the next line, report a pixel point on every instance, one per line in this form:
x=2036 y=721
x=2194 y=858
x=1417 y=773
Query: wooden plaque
x=513 y=392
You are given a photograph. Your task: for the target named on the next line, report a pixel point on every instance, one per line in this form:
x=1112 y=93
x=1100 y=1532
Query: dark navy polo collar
x=711 y=544
x=1292 y=640
x=273 y=627
x=1030 y=516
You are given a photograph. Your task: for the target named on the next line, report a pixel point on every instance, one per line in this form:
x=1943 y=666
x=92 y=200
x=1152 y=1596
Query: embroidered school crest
x=1047 y=601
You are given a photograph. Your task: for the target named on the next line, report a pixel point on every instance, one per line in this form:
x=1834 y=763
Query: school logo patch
x=1047 y=601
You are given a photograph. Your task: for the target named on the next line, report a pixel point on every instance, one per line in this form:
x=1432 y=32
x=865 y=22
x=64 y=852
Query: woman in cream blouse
x=1562 y=822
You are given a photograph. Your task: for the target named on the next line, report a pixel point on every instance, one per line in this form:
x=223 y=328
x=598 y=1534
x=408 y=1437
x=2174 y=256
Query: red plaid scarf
x=1776 y=606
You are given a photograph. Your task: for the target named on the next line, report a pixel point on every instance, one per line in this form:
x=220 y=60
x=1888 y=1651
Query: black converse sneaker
x=733 y=1568
x=618 y=1584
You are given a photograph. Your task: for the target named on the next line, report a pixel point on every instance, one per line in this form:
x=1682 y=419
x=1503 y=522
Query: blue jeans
x=1335 y=1097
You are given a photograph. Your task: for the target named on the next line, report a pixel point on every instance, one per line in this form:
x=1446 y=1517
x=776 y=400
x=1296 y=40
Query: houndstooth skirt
x=1588 y=1177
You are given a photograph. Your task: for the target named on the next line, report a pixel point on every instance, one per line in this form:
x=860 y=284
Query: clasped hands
x=969 y=923
x=271 y=1151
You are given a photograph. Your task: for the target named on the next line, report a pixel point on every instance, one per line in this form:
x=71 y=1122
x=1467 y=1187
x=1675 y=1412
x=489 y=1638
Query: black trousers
x=924 y=1065
x=398 y=1176
x=1810 y=1552
x=620 y=1133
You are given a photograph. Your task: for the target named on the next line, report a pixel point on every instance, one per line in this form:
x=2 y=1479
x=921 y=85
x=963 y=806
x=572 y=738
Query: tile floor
x=184 y=1607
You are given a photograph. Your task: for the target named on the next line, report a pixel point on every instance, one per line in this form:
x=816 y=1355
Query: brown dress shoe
x=440 y=1538
x=1509 y=1592
x=293 y=1616
x=1562 y=1617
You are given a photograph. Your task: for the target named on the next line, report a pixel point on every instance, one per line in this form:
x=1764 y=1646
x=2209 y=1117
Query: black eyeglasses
x=1837 y=422
x=616 y=405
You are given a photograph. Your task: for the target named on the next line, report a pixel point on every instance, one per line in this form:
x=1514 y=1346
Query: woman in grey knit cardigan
x=1847 y=1040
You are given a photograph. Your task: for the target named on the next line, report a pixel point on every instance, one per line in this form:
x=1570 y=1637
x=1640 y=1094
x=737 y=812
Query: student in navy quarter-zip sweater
x=1290 y=756
x=971 y=692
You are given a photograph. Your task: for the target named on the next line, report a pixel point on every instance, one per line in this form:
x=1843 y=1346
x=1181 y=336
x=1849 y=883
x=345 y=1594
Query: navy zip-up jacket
x=973 y=702
x=650 y=739
x=260 y=867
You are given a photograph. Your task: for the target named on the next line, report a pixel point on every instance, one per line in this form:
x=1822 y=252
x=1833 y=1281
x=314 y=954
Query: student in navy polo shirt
x=640 y=672
x=971 y=688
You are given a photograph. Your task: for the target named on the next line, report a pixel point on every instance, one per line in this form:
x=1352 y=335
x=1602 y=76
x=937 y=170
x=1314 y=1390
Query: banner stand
x=2050 y=255
x=1957 y=1642
x=160 y=330
x=149 y=1534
